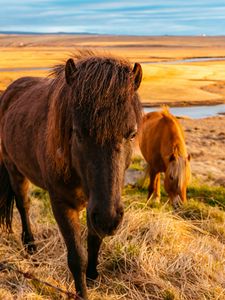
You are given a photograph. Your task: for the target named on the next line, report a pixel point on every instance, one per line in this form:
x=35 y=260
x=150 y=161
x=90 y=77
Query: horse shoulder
x=151 y=137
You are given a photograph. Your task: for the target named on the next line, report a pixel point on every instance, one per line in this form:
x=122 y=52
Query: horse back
x=150 y=137
x=18 y=90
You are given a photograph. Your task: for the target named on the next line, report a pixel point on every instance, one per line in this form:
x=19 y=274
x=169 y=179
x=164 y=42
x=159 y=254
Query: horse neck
x=59 y=129
x=176 y=143
x=175 y=146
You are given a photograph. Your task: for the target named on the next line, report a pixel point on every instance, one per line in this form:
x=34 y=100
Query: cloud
x=119 y=17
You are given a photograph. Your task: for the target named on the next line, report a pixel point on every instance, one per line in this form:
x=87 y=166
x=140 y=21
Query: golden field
x=183 y=83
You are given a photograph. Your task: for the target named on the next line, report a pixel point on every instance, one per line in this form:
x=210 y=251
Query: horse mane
x=179 y=147
x=97 y=102
x=177 y=166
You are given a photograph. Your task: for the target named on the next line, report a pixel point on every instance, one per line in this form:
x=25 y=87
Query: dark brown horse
x=71 y=135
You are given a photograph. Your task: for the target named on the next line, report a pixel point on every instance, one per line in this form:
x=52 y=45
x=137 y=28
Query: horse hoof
x=157 y=200
x=31 y=248
x=92 y=274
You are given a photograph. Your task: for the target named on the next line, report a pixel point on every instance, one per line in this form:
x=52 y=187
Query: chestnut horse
x=72 y=136
x=162 y=144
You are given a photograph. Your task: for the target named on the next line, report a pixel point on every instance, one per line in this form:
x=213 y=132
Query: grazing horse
x=162 y=144
x=71 y=134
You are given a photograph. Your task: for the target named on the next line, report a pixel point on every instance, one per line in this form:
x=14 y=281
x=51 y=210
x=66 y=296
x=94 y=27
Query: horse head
x=105 y=119
x=177 y=177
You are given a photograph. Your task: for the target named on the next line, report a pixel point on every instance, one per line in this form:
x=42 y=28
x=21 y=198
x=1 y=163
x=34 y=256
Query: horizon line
x=104 y=34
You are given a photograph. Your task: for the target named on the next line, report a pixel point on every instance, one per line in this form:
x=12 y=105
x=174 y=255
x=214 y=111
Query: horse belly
x=17 y=153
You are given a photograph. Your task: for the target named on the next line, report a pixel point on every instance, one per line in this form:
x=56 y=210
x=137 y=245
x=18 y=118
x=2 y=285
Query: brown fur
x=162 y=144
x=71 y=135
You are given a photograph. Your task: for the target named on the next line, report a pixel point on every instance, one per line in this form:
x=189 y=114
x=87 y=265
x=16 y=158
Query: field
x=199 y=82
x=157 y=253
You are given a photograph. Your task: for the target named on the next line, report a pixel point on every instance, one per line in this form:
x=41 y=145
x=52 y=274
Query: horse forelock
x=177 y=170
x=101 y=101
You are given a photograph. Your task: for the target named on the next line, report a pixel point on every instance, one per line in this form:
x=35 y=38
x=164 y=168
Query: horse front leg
x=154 y=187
x=157 y=188
x=152 y=175
x=94 y=243
x=67 y=218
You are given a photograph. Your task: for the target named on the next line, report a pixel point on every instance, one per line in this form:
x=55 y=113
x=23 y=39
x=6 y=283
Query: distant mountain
x=47 y=33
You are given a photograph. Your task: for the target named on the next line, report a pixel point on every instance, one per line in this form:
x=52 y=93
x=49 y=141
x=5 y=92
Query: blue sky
x=168 y=17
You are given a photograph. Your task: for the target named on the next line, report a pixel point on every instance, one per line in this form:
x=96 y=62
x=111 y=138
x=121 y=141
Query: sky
x=146 y=17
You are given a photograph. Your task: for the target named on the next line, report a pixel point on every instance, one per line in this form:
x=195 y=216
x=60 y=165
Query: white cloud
x=124 y=17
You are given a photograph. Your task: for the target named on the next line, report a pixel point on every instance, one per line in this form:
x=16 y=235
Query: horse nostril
x=120 y=213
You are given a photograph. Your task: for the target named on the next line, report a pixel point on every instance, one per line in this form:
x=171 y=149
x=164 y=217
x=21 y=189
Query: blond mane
x=177 y=168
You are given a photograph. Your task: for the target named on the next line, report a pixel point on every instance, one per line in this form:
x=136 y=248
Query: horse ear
x=189 y=157
x=70 y=69
x=137 y=71
x=172 y=157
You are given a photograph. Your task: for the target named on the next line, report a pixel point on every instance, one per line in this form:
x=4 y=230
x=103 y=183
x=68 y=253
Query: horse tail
x=6 y=198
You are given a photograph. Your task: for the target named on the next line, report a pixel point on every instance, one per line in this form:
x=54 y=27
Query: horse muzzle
x=177 y=201
x=105 y=223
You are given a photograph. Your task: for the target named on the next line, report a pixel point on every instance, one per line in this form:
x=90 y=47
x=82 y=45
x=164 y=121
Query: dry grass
x=156 y=254
x=183 y=83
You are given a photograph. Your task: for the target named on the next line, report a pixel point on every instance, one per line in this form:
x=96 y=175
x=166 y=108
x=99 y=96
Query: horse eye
x=131 y=135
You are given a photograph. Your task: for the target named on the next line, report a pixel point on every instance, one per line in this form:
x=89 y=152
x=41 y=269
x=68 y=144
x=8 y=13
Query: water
x=195 y=112
x=185 y=60
x=169 y=62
